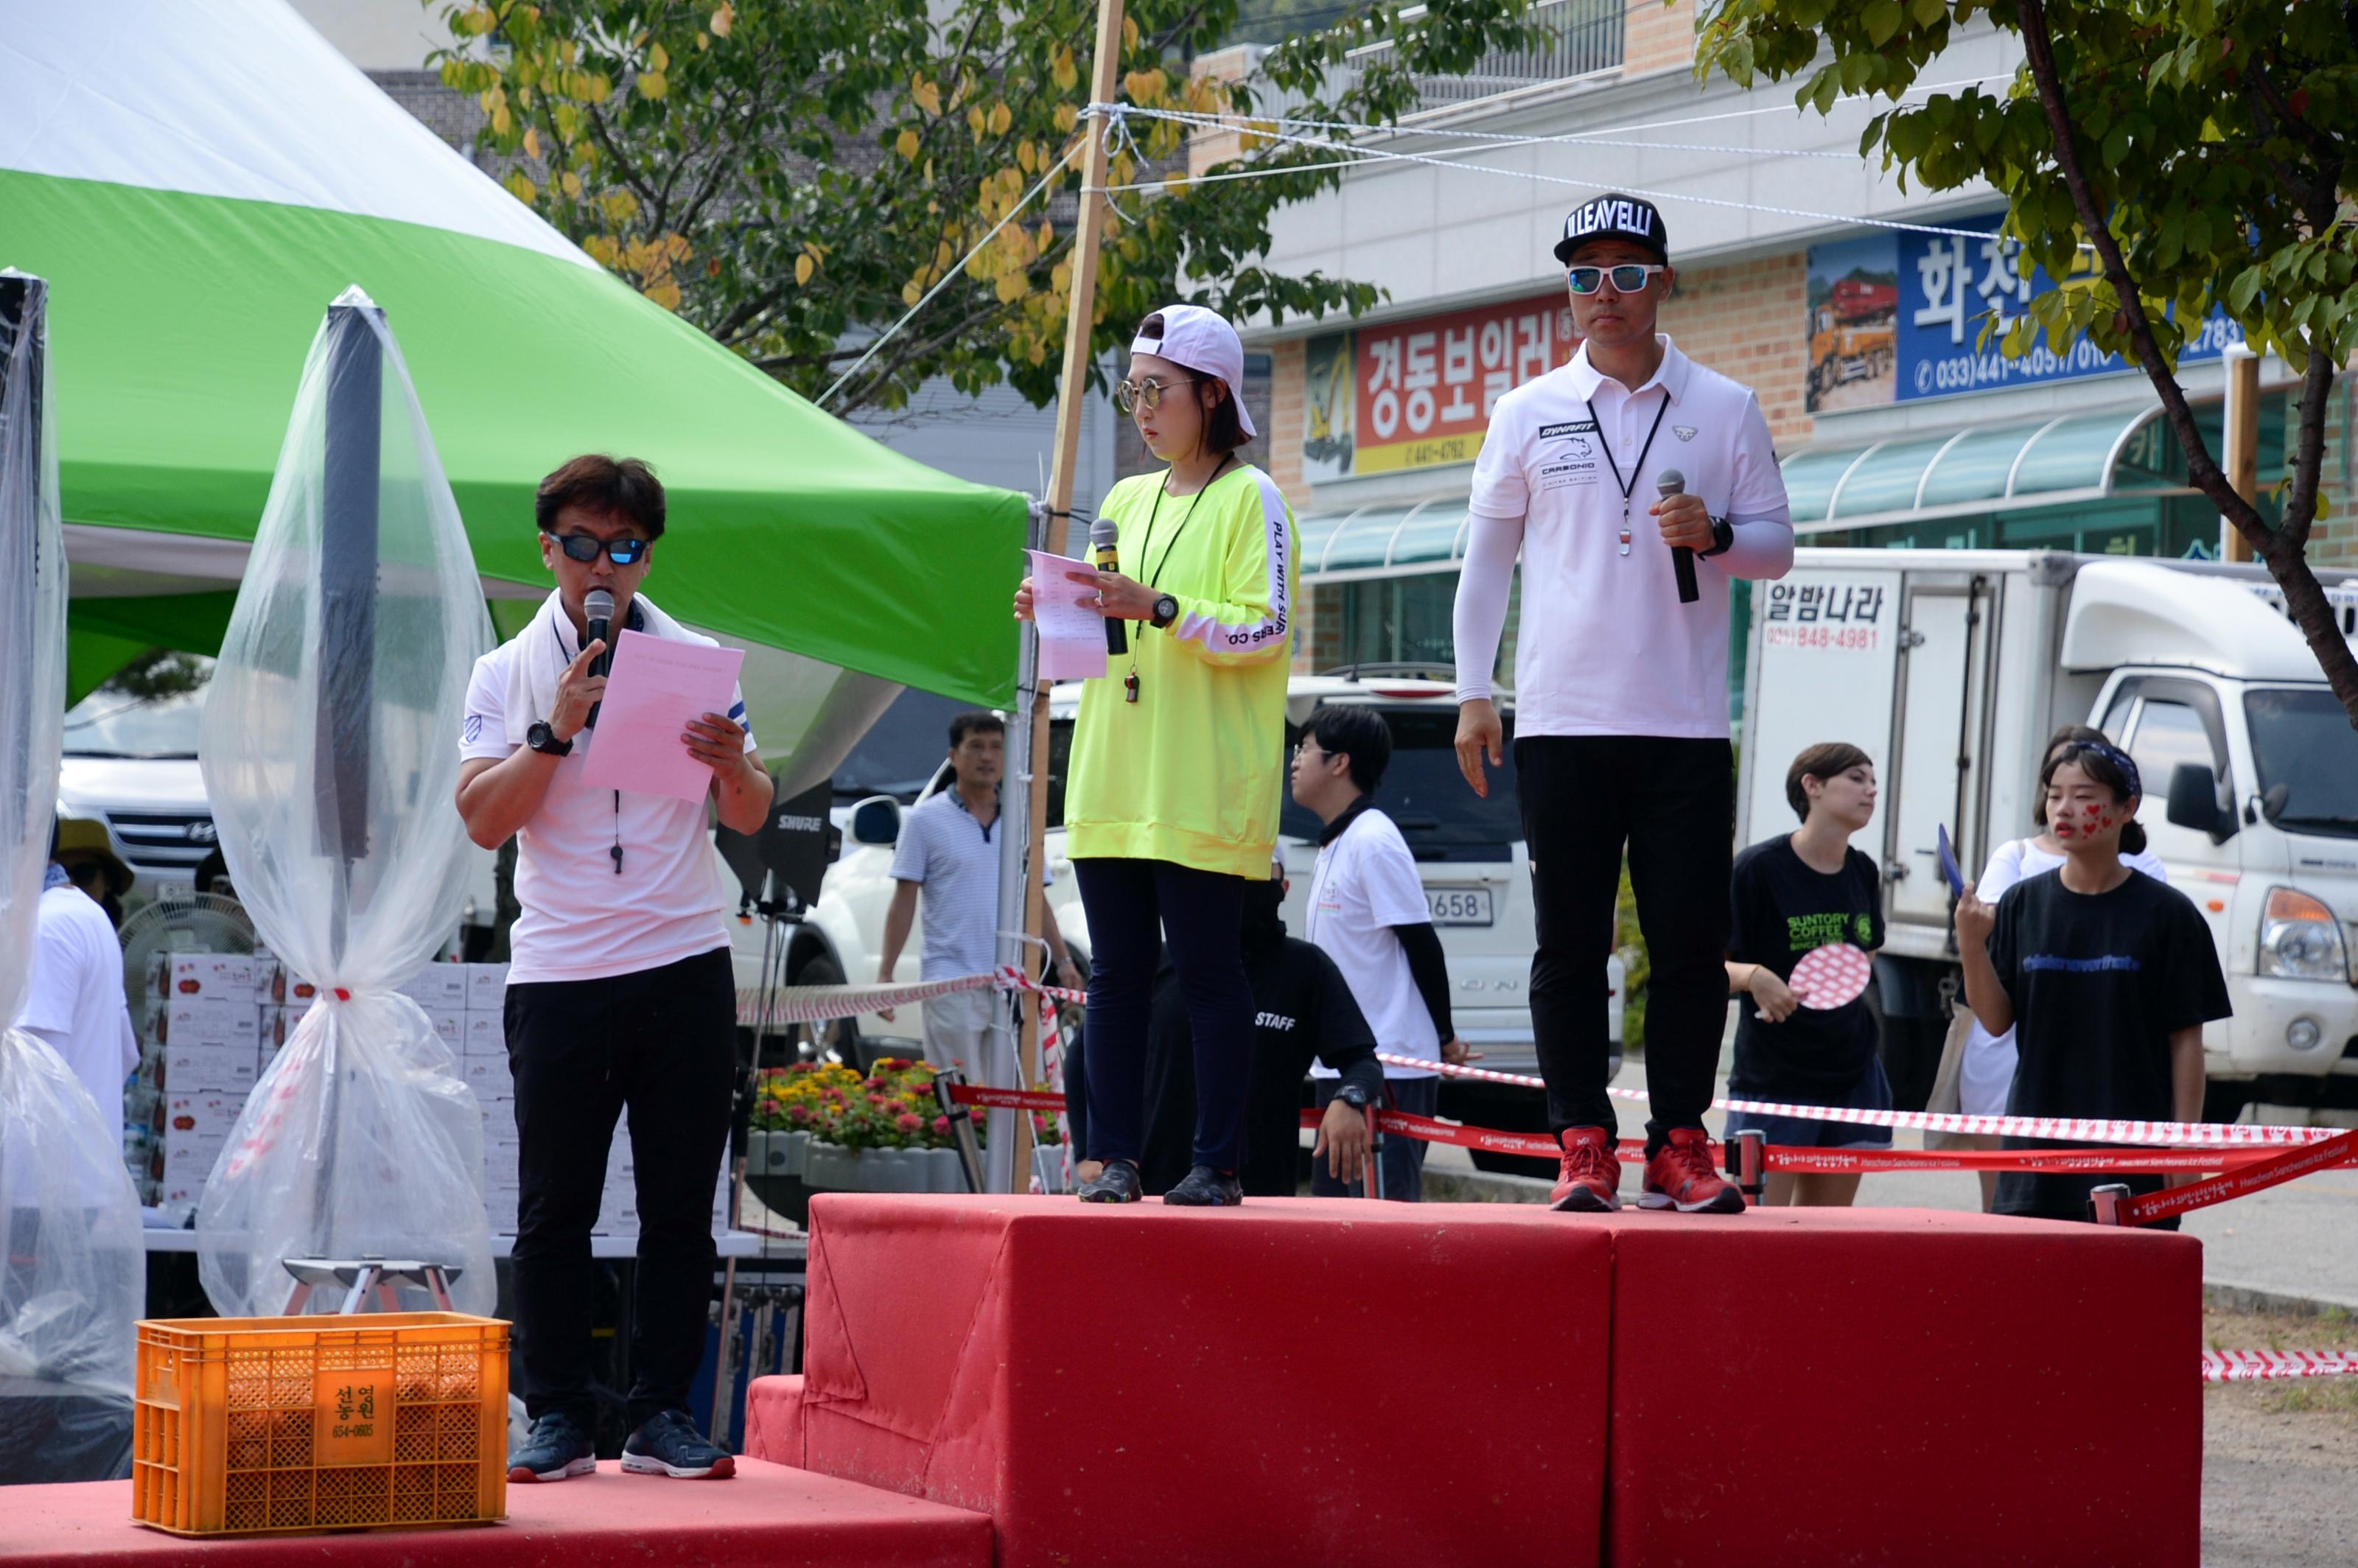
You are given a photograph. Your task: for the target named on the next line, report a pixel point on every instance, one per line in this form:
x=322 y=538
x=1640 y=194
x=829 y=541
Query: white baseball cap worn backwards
x=1202 y=340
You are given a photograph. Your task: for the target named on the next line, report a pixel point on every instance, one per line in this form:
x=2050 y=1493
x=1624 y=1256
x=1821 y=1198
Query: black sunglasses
x=585 y=547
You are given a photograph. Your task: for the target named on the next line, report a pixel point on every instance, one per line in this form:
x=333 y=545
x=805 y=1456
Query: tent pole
x=348 y=586
x=1081 y=323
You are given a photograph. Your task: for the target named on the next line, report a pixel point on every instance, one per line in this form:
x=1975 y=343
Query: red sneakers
x=1679 y=1177
x=1590 y=1176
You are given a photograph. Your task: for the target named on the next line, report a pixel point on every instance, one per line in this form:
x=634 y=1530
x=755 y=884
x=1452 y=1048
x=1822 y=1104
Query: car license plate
x=174 y=892
x=1459 y=906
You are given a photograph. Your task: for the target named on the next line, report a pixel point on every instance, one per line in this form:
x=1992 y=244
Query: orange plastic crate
x=279 y=1425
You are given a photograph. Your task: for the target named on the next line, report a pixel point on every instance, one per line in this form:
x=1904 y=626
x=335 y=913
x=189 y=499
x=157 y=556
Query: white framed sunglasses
x=1629 y=277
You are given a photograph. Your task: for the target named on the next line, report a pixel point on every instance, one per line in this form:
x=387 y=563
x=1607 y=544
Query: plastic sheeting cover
x=330 y=758
x=72 y=1276
x=32 y=626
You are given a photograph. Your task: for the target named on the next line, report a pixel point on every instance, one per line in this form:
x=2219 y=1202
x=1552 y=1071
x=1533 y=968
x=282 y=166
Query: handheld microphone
x=1102 y=537
x=1670 y=482
x=598 y=609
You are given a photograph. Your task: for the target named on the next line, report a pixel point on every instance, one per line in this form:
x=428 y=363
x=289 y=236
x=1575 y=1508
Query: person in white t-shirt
x=1621 y=703
x=620 y=992
x=947 y=848
x=1368 y=912
x=1985 y=1069
x=77 y=1002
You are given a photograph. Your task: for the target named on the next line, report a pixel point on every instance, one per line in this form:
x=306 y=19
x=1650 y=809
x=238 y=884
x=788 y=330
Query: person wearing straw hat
x=1178 y=751
x=76 y=1002
x=1620 y=688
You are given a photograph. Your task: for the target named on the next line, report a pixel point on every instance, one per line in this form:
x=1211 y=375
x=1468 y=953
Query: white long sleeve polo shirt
x=1604 y=646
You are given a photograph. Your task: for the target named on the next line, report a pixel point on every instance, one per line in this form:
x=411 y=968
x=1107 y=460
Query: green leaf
x=1881 y=18
x=1925 y=13
x=2117 y=145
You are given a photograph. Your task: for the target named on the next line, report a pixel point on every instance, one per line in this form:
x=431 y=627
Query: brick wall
x=1747 y=320
x=1656 y=37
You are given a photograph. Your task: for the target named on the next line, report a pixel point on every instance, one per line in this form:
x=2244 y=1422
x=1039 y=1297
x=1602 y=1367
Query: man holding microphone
x=620 y=994
x=1621 y=478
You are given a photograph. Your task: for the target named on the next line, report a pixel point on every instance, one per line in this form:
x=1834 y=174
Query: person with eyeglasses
x=1621 y=710
x=1177 y=758
x=620 y=992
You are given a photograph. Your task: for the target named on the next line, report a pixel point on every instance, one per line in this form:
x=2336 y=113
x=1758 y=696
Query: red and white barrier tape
x=1777 y=1157
x=819 y=1004
x=2069 y=1130
x=1007 y=1099
x=2253 y=1178
x=2268 y=1365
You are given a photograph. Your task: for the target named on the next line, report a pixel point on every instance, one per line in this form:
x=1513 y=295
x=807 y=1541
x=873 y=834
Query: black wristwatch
x=542 y=738
x=1353 y=1095
x=1723 y=538
x=1166 y=611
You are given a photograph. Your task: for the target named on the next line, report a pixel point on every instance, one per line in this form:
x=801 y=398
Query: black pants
x=1134 y=907
x=661 y=1041
x=1672 y=802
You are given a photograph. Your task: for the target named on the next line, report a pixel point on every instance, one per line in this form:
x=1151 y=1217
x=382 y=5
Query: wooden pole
x=2241 y=456
x=1080 y=325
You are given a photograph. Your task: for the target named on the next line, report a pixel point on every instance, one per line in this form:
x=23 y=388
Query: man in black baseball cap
x=1615 y=216
x=1611 y=478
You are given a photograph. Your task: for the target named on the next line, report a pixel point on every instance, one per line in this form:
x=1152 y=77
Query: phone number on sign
x=1854 y=638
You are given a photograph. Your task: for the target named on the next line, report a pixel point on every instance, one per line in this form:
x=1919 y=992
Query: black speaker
x=796 y=844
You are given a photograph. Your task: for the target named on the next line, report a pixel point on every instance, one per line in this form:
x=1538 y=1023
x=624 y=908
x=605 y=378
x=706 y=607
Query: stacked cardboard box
x=217 y=1020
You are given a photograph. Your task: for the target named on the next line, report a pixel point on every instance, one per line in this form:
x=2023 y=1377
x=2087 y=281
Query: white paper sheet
x=657 y=686
x=1072 y=633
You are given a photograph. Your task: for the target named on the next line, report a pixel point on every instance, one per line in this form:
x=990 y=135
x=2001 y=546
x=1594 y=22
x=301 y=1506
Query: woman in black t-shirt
x=1791 y=896
x=2105 y=975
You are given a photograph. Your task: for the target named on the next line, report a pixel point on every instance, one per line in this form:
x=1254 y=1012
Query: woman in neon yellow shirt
x=1178 y=754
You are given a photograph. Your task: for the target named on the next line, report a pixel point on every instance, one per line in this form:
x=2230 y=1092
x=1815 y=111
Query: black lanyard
x=1155 y=580
x=1630 y=484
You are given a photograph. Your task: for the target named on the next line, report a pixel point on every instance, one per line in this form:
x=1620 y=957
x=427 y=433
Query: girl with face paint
x=2105 y=975
x=1985 y=1068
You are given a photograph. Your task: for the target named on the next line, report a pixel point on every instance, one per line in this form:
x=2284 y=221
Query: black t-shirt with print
x=2099 y=982
x=1781 y=911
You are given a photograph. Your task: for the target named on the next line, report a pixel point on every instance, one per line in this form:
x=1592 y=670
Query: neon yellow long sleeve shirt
x=1193 y=771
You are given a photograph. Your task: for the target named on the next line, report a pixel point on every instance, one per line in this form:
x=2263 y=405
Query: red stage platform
x=1326 y=1380
x=769 y=1517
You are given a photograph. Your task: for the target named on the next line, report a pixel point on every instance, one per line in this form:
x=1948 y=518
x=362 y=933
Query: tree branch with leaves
x=793 y=176
x=2162 y=159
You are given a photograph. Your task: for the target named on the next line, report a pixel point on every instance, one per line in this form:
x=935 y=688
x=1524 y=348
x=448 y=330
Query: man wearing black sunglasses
x=1620 y=687
x=620 y=992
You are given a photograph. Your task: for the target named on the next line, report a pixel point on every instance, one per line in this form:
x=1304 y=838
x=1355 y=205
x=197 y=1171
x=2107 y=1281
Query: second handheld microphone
x=1670 y=482
x=1103 y=536
x=598 y=609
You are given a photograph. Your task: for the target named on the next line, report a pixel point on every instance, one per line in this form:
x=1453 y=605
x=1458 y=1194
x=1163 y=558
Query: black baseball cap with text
x=1615 y=216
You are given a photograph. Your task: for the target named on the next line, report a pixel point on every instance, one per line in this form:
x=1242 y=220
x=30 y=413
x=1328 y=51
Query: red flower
x=911 y=1123
x=941 y=1126
x=798 y=1113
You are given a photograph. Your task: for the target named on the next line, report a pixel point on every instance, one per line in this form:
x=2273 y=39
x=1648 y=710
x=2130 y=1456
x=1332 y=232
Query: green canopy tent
x=198 y=183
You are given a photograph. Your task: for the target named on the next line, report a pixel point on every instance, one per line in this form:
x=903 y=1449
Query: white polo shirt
x=583 y=919
x=1364 y=885
x=946 y=851
x=1604 y=646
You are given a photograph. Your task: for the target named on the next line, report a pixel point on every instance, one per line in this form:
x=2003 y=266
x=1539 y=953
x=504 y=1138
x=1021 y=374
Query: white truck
x=1951 y=669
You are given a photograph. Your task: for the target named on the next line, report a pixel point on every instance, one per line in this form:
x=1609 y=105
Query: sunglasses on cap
x=585 y=547
x=1629 y=277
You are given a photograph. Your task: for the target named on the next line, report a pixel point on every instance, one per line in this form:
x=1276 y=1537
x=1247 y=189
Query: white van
x=1951 y=669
